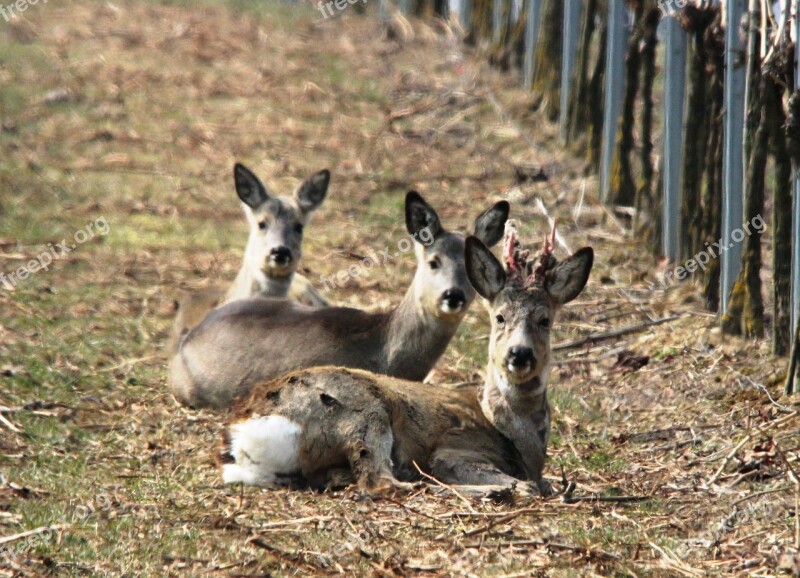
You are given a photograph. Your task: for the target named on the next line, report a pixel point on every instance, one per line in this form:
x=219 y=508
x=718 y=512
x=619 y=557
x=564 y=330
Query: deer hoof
x=388 y=486
x=544 y=487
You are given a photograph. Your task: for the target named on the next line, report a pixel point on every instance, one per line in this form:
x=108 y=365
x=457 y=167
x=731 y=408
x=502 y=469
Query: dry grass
x=135 y=113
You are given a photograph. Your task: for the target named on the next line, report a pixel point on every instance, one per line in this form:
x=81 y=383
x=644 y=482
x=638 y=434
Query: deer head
x=522 y=298
x=441 y=286
x=276 y=224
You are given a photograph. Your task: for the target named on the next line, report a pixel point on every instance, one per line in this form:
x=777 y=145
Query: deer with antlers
x=309 y=423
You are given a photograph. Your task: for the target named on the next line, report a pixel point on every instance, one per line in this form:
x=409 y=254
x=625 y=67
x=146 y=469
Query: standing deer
x=244 y=343
x=272 y=253
x=312 y=422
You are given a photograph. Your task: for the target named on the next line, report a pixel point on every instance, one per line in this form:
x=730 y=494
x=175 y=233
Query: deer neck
x=251 y=281
x=522 y=418
x=416 y=338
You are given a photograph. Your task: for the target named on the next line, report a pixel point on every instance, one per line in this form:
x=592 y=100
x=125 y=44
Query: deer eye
x=544 y=323
x=433 y=264
x=501 y=321
x=262 y=225
x=298 y=228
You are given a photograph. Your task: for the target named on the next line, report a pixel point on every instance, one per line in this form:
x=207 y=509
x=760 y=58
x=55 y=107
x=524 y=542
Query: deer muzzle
x=520 y=360
x=280 y=258
x=453 y=301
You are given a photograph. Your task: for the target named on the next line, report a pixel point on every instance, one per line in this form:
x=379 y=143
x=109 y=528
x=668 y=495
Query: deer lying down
x=314 y=421
x=272 y=253
x=244 y=343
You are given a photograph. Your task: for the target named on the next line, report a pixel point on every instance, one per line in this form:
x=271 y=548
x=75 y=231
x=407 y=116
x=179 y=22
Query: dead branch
x=590 y=552
x=619 y=332
x=34 y=532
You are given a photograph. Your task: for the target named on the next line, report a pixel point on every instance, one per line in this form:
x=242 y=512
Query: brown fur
x=344 y=414
x=257 y=275
x=382 y=428
x=249 y=341
x=193 y=306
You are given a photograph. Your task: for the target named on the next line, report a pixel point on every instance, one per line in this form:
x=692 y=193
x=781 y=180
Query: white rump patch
x=263 y=448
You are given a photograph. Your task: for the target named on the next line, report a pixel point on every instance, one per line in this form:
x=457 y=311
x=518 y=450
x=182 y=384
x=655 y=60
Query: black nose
x=454 y=298
x=519 y=356
x=280 y=255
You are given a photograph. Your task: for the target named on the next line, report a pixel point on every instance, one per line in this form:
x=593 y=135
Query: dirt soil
x=120 y=123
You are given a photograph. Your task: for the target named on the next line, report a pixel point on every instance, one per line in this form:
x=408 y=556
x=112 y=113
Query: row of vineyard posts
x=730 y=112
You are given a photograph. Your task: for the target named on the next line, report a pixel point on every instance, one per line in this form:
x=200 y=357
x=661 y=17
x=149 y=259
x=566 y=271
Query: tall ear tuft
x=490 y=224
x=568 y=278
x=420 y=215
x=485 y=272
x=250 y=189
x=312 y=192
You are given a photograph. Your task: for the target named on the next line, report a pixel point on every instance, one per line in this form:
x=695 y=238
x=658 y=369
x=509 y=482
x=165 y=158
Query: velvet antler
x=544 y=260
x=522 y=270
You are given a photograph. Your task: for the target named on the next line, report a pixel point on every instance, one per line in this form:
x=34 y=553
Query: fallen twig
x=34 y=532
x=619 y=332
x=296 y=521
x=490 y=515
x=614 y=499
x=554 y=545
x=292 y=558
x=6 y=422
x=675 y=563
x=761 y=387
x=758 y=430
x=728 y=458
x=759 y=494
x=410 y=509
x=501 y=520
x=445 y=486
x=656 y=434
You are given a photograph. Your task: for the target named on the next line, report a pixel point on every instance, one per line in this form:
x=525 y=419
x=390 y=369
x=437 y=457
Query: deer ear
x=420 y=215
x=485 y=272
x=250 y=189
x=566 y=281
x=312 y=192
x=490 y=224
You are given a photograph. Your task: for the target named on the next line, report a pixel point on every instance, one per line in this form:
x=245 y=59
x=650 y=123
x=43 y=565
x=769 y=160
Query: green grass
x=147 y=142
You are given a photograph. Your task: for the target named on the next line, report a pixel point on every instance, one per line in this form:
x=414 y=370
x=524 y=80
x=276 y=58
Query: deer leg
x=332 y=479
x=453 y=467
x=533 y=453
x=475 y=475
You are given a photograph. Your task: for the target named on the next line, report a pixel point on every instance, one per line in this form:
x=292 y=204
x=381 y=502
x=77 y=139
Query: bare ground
x=133 y=114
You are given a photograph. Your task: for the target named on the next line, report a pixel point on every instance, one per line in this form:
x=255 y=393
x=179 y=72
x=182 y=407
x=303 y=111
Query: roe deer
x=272 y=253
x=310 y=423
x=246 y=342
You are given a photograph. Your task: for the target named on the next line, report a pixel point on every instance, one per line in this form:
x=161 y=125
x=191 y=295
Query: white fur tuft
x=502 y=382
x=262 y=448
